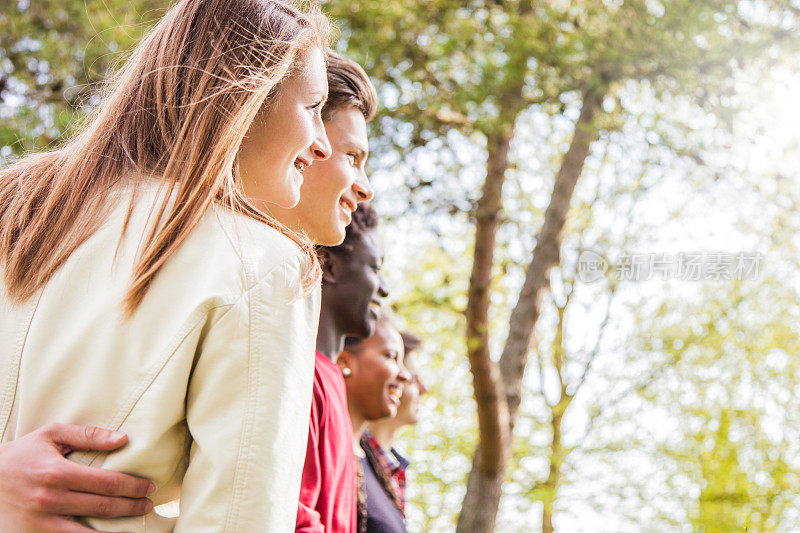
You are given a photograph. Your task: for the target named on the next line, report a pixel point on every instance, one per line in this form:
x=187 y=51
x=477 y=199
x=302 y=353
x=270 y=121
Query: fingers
x=70 y=437
x=77 y=477
x=83 y=504
x=60 y=524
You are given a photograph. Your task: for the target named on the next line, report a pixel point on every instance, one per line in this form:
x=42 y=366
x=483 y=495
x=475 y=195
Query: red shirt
x=328 y=492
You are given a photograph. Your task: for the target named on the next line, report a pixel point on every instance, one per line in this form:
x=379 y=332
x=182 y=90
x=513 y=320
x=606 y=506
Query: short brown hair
x=410 y=341
x=348 y=85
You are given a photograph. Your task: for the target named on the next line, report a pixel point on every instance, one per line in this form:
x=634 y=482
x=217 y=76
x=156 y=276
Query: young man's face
x=332 y=189
x=353 y=287
x=414 y=389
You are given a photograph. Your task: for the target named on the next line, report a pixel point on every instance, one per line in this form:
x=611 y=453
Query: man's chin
x=368 y=327
x=329 y=237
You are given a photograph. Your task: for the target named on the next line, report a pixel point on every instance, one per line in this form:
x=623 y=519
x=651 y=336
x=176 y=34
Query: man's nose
x=321 y=147
x=383 y=291
x=362 y=188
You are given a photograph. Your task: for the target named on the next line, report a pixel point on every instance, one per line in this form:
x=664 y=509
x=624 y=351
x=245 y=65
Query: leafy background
x=674 y=403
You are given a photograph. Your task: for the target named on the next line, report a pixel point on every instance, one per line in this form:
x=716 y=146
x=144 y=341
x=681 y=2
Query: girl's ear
x=327 y=261
x=344 y=362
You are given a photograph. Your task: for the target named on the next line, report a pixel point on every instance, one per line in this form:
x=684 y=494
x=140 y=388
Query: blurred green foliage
x=54 y=56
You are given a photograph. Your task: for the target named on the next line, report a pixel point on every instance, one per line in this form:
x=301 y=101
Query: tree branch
x=547 y=252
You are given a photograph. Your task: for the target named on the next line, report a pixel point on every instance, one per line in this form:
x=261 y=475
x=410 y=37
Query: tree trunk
x=496 y=415
x=547 y=521
x=475 y=516
x=487 y=384
x=488 y=465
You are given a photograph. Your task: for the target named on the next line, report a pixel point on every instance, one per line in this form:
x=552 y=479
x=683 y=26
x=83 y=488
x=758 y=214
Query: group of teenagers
x=189 y=276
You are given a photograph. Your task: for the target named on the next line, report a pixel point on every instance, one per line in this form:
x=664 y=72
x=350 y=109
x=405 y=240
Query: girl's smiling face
x=286 y=137
x=377 y=374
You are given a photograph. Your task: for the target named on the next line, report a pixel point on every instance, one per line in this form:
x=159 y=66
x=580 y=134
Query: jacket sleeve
x=247 y=409
x=308 y=519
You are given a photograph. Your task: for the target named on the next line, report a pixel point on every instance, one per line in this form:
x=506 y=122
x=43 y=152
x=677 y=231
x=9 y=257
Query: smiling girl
x=144 y=288
x=374 y=380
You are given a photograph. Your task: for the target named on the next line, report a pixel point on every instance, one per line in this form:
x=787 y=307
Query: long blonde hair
x=178 y=108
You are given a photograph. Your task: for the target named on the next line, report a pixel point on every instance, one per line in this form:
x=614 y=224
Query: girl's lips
x=301 y=164
x=348 y=207
x=394 y=393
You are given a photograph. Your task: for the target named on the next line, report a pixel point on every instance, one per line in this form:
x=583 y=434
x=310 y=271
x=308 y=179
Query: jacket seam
x=10 y=394
x=132 y=400
x=243 y=460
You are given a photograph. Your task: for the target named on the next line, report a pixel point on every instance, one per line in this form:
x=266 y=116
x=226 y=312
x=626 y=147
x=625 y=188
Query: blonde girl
x=145 y=290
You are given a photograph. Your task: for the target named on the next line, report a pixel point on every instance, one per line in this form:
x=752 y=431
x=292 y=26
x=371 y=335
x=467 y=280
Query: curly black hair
x=365 y=218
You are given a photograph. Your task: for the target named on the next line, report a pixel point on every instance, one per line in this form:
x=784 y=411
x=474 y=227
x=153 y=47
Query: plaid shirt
x=392 y=462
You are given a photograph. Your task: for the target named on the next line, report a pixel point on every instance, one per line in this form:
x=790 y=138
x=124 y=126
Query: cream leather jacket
x=210 y=378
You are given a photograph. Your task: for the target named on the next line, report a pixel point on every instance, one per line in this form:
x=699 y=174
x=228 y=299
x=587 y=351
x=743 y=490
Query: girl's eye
x=352 y=158
x=316 y=107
